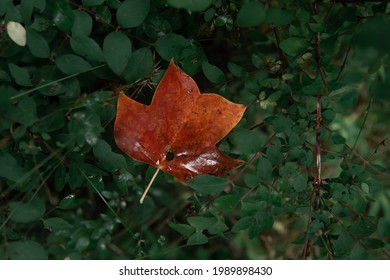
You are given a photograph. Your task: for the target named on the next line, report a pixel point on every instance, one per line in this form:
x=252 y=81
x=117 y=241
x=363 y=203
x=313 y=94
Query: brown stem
x=326 y=247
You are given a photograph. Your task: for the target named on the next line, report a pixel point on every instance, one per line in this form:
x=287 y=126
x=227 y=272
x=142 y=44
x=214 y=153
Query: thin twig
x=344 y=63
x=366 y=162
x=363 y=123
x=326 y=247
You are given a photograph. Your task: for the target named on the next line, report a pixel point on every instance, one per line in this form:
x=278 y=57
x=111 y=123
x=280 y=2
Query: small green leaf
x=293 y=45
x=208 y=184
x=59 y=177
x=299 y=183
x=251 y=14
x=102 y=151
x=132 y=13
x=26 y=212
x=37 y=44
x=67 y=202
x=90 y=3
x=140 y=65
x=373 y=243
x=86 y=47
x=56 y=224
x=213 y=73
x=201 y=223
x=264 y=169
x=117 y=51
x=274 y=155
x=358 y=252
x=242 y=224
x=198 y=238
x=72 y=64
x=171 y=46
x=227 y=202
x=10 y=169
x=63 y=16
x=343 y=244
x=20 y=75
x=247 y=141
x=236 y=70
x=183 y=229
x=278 y=16
x=384 y=227
x=218 y=228
x=25 y=250
x=191 y=5
x=82 y=23
x=361 y=228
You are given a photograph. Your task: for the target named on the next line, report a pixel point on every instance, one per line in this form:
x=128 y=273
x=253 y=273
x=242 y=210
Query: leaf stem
x=148 y=187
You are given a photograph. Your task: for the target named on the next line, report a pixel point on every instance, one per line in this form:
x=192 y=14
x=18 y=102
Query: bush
x=315 y=78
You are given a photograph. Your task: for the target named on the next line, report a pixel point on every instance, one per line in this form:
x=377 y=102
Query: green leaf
x=261 y=223
x=102 y=151
x=63 y=16
x=208 y=184
x=197 y=238
x=343 y=244
x=201 y=223
x=242 y=224
x=279 y=17
x=213 y=73
x=117 y=51
x=171 y=46
x=236 y=70
x=299 y=183
x=25 y=250
x=72 y=64
x=247 y=141
x=67 y=202
x=358 y=253
x=274 y=155
x=25 y=112
x=251 y=14
x=132 y=13
x=264 y=169
x=90 y=3
x=361 y=228
x=384 y=227
x=10 y=169
x=82 y=25
x=37 y=44
x=140 y=65
x=281 y=123
x=59 y=177
x=217 y=228
x=183 y=229
x=86 y=47
x=56 y=224
x=26 y=212
x=293 y=45
x=227 y=202
x=373 y=243
x=191 y=5
x=20 y=75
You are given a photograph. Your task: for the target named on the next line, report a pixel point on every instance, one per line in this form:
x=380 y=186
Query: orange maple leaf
x=179 y=131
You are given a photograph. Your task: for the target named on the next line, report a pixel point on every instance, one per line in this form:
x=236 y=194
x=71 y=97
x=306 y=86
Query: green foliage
x=315 y=80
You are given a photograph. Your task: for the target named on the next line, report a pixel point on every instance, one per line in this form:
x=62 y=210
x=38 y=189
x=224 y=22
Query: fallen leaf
x=179 y=131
